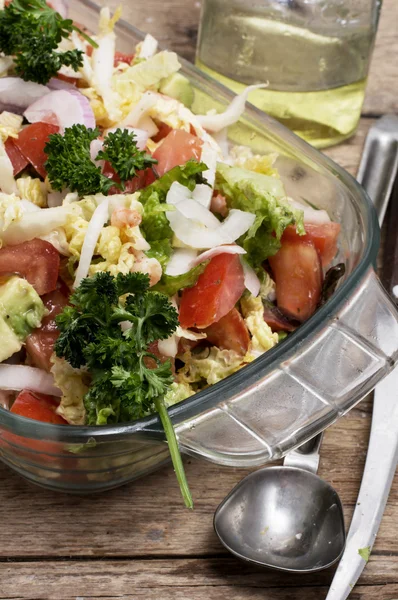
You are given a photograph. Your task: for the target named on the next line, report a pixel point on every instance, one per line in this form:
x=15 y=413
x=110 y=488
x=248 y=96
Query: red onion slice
x=16 y=94
x=66 y=107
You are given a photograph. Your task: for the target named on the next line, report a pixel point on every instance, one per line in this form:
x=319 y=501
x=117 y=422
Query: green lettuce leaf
x=161 y=250
x=265 y=196
x=170 y=284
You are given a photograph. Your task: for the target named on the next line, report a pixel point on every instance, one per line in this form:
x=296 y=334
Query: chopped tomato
x=229 y=333
x=219 y=205
x=215 y=293
x=277 y=320
x=140 y=181
x=68 y=79
x=40 y=343
x=36 y=260
x=18 y=161
x=120 y=57
x=324 y=237
x=39 y=407
x=31 y=142
x=163 y=132
x=297 y=271
x=177 y=147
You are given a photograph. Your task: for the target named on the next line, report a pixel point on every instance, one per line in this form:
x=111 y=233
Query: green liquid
x=323 y=118
x=316 y=76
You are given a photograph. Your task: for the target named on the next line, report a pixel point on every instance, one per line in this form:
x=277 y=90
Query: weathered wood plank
x=196 y=578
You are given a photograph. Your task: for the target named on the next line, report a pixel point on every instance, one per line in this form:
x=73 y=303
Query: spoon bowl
x=284 y=518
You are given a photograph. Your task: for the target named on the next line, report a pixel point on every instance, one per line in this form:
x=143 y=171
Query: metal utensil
x=286 y=517
x=377 y=173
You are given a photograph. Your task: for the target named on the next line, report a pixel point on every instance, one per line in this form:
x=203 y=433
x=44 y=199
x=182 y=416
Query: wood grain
x=138 y=541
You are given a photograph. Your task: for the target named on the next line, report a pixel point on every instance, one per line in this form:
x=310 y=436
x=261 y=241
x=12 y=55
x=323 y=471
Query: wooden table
x=138 y=541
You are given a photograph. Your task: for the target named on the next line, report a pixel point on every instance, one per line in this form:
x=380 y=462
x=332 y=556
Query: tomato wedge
x=121 y=57
x=18 y=161
x=297 y=271
x=40 y=343
x=324 y=236
x=31 y=142
x=163 y=132
x=215 y=293
x=141 y=180
x=39 y=407
x=177 y=147
x=229 y=333
x=36 y=260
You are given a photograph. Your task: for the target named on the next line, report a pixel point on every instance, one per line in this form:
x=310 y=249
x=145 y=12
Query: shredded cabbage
x=210 y=365
x=262 y=337
x=177 y=393
x=242 y=156
x=10 y=125
x=32 y=189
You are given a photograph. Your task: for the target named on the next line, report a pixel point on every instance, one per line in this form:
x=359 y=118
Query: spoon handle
x=305 y=456
x=377 y=173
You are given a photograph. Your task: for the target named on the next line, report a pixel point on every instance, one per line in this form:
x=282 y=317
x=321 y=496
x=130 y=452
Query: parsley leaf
x=128 y=380
x=69 y=163
x=31 y=31
x=120 y=150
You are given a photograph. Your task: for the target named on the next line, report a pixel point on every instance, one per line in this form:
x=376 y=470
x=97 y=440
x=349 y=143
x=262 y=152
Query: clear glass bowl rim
x=150 y=427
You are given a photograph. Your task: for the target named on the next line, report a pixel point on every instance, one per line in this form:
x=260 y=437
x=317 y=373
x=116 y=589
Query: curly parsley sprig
x=69 y=163
x=31 y=31
x=128 y=380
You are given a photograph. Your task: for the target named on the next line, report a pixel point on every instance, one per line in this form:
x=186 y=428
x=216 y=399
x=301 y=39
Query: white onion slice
x=180 y=261
x=141 y=136
x=97 y=221
x=169 y=346
x=16 y=94
x=196 y=235
x=35 y=224
x=311 y=215
x=140 y=110
x=7 y=181
x=148 y=47
x=232 y=114
x=225 y=249
x=252 y=282
x=20 y=377
x=60 y=84
x=61 y=7
x=102 y=61
x=67 y=107
x=202 y=192
x=197 y=212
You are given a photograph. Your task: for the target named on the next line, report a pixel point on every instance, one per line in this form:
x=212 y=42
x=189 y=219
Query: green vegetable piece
x=170 y=284
x=365 y=553
x=128 y=381
x=120 y=150
x=21 y=311
x=265 y=196
x=31 y=31
x=69 y=163
x=161 y=250
x=179 y=87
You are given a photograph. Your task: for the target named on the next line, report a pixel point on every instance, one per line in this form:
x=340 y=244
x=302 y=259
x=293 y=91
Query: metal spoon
x=286 y=517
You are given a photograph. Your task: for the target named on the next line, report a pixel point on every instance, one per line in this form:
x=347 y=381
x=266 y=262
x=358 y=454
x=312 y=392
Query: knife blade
x=377 y=173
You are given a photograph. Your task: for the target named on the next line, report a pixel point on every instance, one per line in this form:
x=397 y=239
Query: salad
x=142 y=258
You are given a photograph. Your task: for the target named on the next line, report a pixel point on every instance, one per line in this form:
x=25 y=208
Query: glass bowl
x=281 y=399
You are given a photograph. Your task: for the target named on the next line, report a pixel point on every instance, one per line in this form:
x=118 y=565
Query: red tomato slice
x=37 y=261
x=324 y=237
x=18 y=161
x=297 y=271
x=68 y=79
x=39 y=407
x=138 y=182
x=40 y=343
x=163 y=132
x=215 y=293
x=31 y=142
x=229 y=333
x=120 y=57
x=177 y=147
